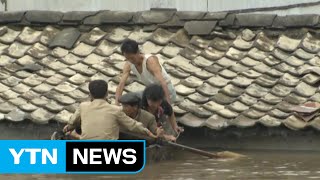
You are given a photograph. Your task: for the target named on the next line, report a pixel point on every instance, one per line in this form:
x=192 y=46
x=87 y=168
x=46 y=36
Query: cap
x=129 y=98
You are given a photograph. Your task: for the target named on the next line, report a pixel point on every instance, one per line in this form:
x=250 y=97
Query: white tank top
x=146 y=77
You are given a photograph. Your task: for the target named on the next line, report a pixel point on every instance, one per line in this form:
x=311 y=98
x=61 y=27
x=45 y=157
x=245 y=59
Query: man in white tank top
x=147 y=69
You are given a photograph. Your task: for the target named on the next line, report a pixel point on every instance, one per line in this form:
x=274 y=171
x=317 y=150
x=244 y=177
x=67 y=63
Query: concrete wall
x=140 y=5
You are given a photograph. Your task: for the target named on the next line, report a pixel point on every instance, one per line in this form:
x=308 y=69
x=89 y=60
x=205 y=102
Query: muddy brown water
x=257 y=165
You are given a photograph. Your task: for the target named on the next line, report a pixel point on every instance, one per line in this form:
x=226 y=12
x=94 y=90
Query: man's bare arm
x=154 y=67
x=124 y=77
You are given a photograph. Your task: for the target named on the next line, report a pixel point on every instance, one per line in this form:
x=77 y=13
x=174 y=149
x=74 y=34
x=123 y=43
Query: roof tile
x=139 y=36
x=264 y=43
x=294 y=123
x=278 y=114
x=271 y=61
x=257 y=54
x=20 y=88
x=253 y=114
x=223 y=99
x=18 y=101
x=256 y=90
x=232 y=90
x=48 y=34
x=9 y=37
x=47 y=17
x=63 y=99
x=220 y=44
x=310 y=44
x=266 y=81
x=247 y=61
x=247 y=99
x=65 y=38
x=41 y=116
x=262 y=106
x=241 y=44
x=16 y=115
x=212 y=54
x=203 y=74
x=28 y=107
x=235 y=54
x=269 y=121
x=11 y=81
x=83 y=49
x=5 y=60
x=43 y=88
x=199 y=27
x=6 y=107
x=305 y=90
x=216 y=122
x=11 y=17
x=251 y=74
x=29 y=95
x=207 y=90
x=192 y=82
x=242 y=121
x=191 y=120
x=247 y=35
x=38 y=51
x=77 y=95
x=29 y=36
x=242 y=81
x=180 y=38
x=40 y=101
x=17 y=49
x=300 y=53
x=281 y=90
x=118 y=35
x=9 y=95
x=255 y=21
x=198 y=98
x=295 y=99
x=287 y=44
x=151 y=48
x=63 y=116
x=238 y=106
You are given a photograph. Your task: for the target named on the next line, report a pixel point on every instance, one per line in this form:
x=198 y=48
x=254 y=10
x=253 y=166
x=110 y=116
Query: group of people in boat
x=145 y=112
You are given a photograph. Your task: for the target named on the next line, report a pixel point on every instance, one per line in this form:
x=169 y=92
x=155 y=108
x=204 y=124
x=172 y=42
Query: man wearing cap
x=131 y=107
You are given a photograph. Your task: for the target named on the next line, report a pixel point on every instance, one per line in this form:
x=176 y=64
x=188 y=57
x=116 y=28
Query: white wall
x=140 y=5
x=94 y=5
x=2 y=6
x=224 y=5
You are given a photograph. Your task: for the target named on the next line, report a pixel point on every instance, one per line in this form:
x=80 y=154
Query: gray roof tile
x=199 y=27
x=11 y=17
x=46 y=17
x=241 y=44
x=243 y=122
x=216 y=122
x=288 y=44
x=65 y=38
x=310 y=44
x=294 y=123
x=16 y=115
x=256 y=20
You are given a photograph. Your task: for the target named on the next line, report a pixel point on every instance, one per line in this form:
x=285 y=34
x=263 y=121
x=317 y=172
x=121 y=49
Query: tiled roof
x=228 y=69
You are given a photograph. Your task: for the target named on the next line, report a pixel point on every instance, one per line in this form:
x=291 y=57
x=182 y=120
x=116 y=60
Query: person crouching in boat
x=153 y=101
x=131 y=107
x=100 y=120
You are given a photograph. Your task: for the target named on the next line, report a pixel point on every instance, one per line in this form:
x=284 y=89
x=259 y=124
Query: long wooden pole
x=190 y=149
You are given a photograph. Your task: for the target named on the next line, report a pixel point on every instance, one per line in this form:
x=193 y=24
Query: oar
x=224 y=154
x=193 y=150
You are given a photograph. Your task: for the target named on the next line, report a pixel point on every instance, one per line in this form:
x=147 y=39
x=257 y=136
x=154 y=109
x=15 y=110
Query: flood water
x=257 y=165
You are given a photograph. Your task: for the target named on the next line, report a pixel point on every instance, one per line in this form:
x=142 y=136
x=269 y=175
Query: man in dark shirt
x=131 y=107
x=153 y=101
